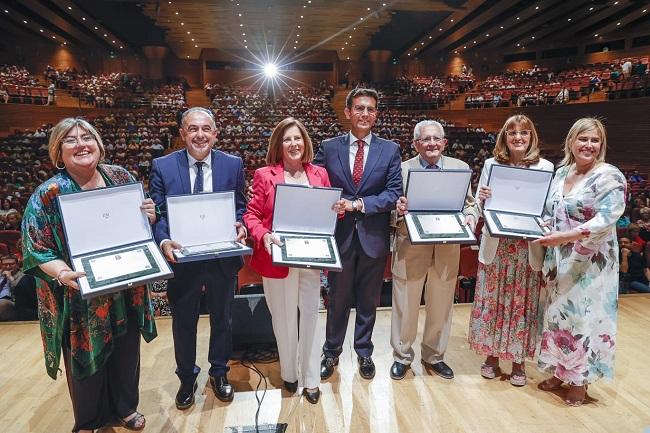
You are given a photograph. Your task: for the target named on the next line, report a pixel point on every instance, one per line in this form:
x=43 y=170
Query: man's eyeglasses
x=359 y=109
x=523 y=133
x=85 y=139
x=431 y=140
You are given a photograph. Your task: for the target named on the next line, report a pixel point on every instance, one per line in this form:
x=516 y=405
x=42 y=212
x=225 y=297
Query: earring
x=57 y=165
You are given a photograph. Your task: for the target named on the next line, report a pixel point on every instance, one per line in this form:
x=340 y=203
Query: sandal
x=490 y=371
x=518 y=378
x=135 y=423
x=575 y=402
x=550 y=384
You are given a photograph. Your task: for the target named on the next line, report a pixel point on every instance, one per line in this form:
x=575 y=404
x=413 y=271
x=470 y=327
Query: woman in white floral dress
x=586 y=199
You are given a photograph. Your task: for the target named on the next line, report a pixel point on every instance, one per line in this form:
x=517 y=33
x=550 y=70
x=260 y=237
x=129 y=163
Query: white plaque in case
x=304 y=222
x=517 y=203
x=110 y=239
x=435 y=201
x=204 y=224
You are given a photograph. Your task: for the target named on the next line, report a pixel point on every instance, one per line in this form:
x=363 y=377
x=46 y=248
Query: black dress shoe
x=311 y=396
x=292 y=387
x=185 y=395
x=327 y=366
x=441 y=369
x=398 y=370
x=222 y=389
x=366 y=367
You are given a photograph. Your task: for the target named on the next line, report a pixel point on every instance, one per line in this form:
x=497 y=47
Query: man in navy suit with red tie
x=367 y=168
x=194 y=170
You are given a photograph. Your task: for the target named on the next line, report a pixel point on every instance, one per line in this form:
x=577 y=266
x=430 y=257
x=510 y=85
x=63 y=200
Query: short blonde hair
x=274 y=151
x=62 y=128
x=582 y=125
x=502 y=154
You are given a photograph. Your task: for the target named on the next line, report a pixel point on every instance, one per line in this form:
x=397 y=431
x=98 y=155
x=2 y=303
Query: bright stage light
x=270 y=70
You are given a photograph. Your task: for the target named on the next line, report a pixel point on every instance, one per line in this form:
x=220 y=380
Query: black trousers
x=357 y=285
x=184 y=293
x=112 y=392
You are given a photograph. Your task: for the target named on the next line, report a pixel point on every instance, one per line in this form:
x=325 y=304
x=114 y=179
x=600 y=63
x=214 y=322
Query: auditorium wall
x=486 y=63
x=248 y=75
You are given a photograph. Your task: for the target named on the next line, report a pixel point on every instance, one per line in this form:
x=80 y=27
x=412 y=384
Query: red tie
x=357 y=170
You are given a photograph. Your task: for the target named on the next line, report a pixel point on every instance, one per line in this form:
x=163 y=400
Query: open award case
x=304 y=222
x=518 y=197
x=435 y=201
x=205 y=225
x=110 y=239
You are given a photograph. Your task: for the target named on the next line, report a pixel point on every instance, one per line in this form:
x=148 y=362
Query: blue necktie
x=433 y=167
x=198 y=182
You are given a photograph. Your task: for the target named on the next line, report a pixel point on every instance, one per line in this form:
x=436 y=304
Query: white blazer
x=489 y=245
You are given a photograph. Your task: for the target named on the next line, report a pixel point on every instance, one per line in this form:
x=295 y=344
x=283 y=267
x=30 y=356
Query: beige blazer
x=446 y=255
x=489 y=245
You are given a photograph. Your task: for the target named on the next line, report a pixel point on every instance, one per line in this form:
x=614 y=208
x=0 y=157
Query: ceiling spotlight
x=465 y=47
x=70 y=8
x=532 y=37
x=6 y=11
x=596 y=35
x=270 y=70
x=591 y=8
x=452 y=20
x=83 y=18
x=536 y=7
x=41 y=30
x=615 y=3
x=177 y=14
x=501 y=27
x=517 y=18
x=25 y=21
x=568 y=19
x=53 y=37
x=187 y=56
x=618 y=24
x=121 y=47
x=96 y=28
x=182 y=24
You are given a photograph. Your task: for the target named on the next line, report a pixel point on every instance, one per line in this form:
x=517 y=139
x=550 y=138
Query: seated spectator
x=633 y=233
x=17 y=292
x=644 y=222
x=635 y=177
x=633 y=271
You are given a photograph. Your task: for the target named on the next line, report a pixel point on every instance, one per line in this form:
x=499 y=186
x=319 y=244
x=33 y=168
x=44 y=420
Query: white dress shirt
x=354 y=147
x=207 y=172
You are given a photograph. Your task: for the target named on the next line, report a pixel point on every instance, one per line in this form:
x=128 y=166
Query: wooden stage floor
x=31 y=402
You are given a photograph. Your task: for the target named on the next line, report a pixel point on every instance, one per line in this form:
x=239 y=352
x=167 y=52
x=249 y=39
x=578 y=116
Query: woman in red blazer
x=288 y=290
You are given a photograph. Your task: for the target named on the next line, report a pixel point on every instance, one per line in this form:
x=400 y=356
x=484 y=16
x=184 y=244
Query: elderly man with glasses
x=437 y=265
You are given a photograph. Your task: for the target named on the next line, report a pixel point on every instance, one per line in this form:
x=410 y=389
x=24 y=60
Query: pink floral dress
x=504 y=318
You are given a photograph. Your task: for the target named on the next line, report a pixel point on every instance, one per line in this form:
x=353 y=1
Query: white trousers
x=300 y=291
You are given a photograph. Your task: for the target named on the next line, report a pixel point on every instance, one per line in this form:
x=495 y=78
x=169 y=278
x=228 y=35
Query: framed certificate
x=205 y=225
x=304 y=222
x=518 y=198
x=436 y=199
x=110 y=239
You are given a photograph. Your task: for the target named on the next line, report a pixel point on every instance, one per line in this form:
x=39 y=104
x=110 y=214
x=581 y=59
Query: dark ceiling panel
x=393 y=36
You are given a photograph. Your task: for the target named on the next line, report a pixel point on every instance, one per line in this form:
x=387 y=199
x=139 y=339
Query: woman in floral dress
x=100 y=337
x=504 y=319
x=586 y=199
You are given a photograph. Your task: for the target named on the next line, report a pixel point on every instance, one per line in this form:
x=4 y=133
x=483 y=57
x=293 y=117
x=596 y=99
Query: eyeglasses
x=523 y=133
x=432 y=139
x=359 y=109
x=85 y=139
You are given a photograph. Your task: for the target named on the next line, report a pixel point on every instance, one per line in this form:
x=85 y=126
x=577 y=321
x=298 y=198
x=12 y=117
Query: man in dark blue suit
x=194 y=170
x=367 y=168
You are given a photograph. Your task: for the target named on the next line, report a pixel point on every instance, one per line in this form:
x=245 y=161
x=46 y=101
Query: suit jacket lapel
x=216 y=168
x=374 y=153
x=184 y=172
x=344 y=158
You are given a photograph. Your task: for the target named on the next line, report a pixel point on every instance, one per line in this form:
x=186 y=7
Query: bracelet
x=58 y=277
